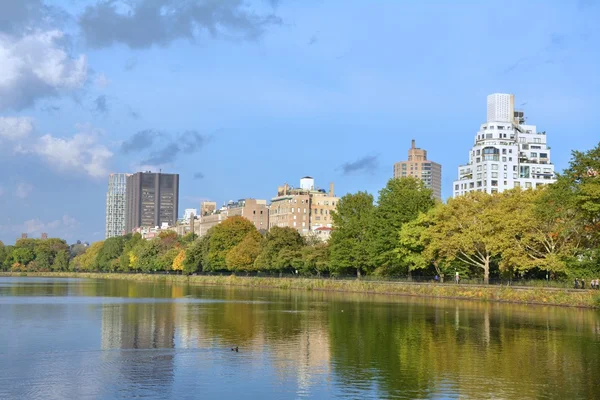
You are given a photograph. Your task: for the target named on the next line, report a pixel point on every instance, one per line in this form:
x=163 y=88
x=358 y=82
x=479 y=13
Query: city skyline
x=287 y=89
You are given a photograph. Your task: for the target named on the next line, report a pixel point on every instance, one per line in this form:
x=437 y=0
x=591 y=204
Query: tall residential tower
x=152 y=200
x=420 y=167
x=507 y=152
x=116 y=204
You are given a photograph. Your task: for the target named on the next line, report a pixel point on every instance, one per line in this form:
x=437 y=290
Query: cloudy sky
x=241 y=96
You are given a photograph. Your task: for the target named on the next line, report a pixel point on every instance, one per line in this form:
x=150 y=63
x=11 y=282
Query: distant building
x=44 y=236
x=210 y=217
x=420 y=167
x=23 y=236
x=304 y=209
x=116 y=204
x=323 y=233
x=152 y=200
x=253 y=210
x=507 y=152
x=208 y=207
x=188 y=213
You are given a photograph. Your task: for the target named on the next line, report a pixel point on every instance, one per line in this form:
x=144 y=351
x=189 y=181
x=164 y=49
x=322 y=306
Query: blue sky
x=239 y=97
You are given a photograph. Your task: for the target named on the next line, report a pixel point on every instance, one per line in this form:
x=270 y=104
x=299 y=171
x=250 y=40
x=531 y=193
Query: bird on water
x=234 y=349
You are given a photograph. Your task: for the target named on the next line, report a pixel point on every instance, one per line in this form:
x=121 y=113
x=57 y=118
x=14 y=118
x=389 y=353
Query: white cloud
x=15 y=128
x=23 y=190
x=76 y=154
x=62 y=227
x=81 y=152
x=101 y=81
x=54 y=228
x=37 y=65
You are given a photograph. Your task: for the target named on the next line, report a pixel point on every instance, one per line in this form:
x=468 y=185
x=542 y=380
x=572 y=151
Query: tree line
x=548 y=232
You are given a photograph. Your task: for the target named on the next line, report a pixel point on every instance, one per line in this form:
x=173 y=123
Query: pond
x=118 y=339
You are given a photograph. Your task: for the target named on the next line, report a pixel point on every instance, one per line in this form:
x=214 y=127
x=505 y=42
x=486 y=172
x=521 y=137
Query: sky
x=239 y=97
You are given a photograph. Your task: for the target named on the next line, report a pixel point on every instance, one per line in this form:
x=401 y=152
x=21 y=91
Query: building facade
x=304 y=209
x=420 y=167
x=507 y=152
x=152 y=200
x=253 y=210
x=116 y=205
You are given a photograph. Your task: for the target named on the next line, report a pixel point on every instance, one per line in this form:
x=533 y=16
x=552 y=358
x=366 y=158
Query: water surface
x=114 y=339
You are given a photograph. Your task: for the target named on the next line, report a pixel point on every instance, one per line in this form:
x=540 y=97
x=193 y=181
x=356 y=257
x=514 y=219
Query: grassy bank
x=559 y=297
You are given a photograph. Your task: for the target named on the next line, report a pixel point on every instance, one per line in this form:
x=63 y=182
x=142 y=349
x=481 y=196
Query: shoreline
x=501 y=294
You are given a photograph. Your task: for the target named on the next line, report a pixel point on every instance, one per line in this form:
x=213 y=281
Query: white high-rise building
x=507 y=152
x=116 y=201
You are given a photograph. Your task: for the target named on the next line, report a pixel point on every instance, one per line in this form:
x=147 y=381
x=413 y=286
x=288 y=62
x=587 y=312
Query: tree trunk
x=358 y=273
x=486 y=271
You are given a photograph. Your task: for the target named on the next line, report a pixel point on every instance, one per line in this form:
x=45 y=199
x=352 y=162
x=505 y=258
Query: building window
x=491 y=154
x=494 y=183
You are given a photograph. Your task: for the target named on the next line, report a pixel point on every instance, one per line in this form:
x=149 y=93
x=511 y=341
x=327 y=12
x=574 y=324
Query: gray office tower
x=152 y=199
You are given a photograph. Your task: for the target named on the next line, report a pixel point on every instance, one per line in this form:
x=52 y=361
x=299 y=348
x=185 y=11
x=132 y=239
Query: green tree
x=188 y=238
x=468 y=229
x=2 y=253
x=196 y=254
x=61 y=261
x=349 y=242
x=289 y=259
x=108 y=257
x=7 y=263
x=582 y=180
x=77 y=249
x=167 y=258
x=225 y=237
x=414 y=249
x=315 y=259
x=276 y=240
x=543 y=229
x=88 y=260
x=399 y=202
x=146 y=255
x=23 y=255
x=243 y=255
x=127 y=255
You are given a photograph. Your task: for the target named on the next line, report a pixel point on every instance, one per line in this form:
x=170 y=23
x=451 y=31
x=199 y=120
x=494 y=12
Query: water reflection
x=111 y=339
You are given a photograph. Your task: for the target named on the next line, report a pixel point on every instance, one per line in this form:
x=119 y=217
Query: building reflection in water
x=140 y=326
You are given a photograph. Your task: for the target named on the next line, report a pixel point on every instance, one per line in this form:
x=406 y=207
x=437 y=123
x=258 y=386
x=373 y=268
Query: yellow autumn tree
x=178 y=261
